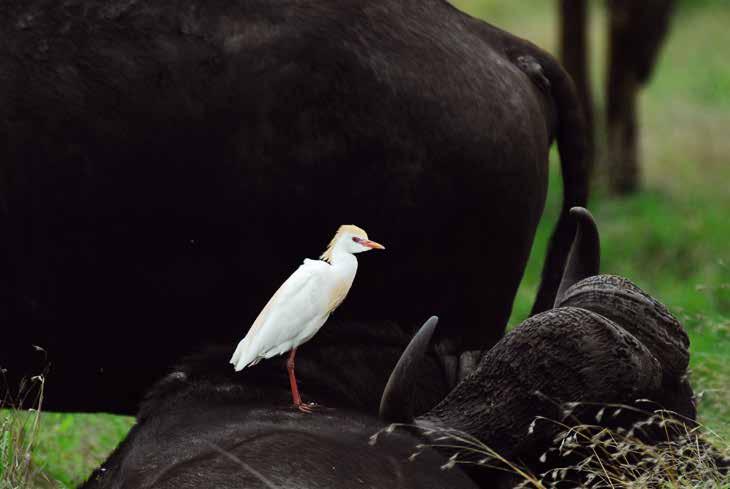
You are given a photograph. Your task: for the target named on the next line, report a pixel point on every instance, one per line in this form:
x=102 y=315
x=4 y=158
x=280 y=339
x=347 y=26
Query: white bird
x=303 y=303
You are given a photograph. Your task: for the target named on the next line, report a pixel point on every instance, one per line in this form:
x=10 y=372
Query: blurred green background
x=671 y=239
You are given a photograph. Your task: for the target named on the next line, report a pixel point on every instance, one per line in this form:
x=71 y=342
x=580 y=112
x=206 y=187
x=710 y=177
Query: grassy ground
x=671 y=239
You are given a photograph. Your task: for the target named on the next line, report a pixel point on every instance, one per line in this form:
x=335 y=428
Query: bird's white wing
x=300 y=301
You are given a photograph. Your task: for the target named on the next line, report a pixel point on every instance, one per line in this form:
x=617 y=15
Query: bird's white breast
x=337 y=293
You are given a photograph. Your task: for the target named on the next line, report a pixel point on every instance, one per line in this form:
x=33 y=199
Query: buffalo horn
x=585 y=253
x=396 y=405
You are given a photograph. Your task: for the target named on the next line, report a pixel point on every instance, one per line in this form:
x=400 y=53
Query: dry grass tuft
x=19 y=428
x=599 y=457
x=687 y=455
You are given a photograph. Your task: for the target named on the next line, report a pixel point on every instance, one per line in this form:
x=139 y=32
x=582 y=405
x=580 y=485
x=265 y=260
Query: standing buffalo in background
x=605 y=343
x=164 y=164
x=637 y=30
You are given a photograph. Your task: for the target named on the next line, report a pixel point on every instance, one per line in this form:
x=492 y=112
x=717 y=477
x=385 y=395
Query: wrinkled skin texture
x=165 y=165
x=606 y=342
x=658 y=330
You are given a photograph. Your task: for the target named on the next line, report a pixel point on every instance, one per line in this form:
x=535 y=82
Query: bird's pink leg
x=293 y=383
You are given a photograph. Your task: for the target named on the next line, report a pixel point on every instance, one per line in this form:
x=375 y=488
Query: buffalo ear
x=396 y=405
x=585 y=254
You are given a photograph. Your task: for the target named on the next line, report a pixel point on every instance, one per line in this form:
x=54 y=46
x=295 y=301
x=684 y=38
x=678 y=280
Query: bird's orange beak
x=372 y=244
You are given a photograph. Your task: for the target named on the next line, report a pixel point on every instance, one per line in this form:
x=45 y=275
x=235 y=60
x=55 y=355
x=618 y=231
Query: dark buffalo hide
x=269 y=449
x=204 y=425
x=165 y=165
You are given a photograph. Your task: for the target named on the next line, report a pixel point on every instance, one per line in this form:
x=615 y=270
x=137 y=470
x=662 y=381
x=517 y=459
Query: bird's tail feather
x=242 y=357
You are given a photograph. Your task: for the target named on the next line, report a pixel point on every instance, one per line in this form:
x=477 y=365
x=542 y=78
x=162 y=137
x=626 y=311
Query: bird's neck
x=343 y=263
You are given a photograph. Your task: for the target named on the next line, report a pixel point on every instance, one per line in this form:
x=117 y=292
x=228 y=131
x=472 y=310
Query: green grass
x=671 y=239
x=65 y=447
x=71 y=445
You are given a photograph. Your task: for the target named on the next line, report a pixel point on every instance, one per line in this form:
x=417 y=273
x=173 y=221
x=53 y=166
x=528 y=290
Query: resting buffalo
x=606 y=342
x=164 y=165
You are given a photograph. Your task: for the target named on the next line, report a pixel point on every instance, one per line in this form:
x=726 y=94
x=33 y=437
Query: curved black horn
x=649 y=321
x=532 y=372
x=585 y=253
x=396 y=405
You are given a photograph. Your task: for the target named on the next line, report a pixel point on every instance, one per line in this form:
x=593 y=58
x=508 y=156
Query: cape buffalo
x=605 y=343
x=164 y=165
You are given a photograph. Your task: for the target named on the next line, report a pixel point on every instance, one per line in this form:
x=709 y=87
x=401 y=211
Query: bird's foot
x=306 y=407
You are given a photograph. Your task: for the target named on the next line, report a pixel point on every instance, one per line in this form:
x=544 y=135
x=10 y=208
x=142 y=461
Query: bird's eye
x=356 y=239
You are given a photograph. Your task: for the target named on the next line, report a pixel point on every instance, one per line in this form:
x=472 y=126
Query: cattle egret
x=303 y=303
